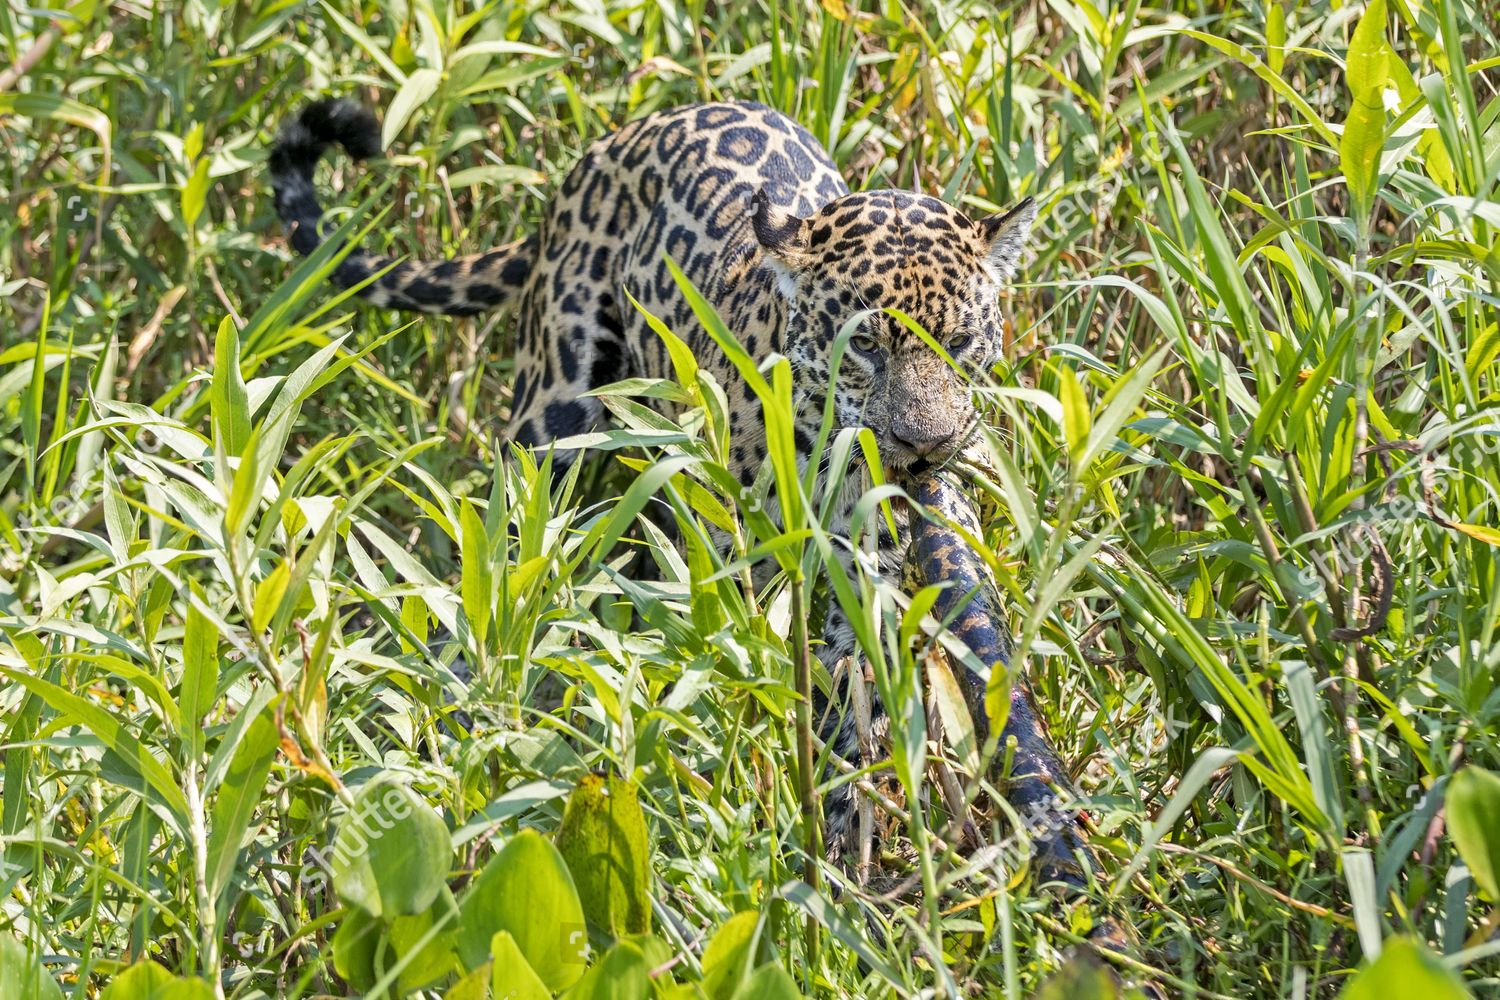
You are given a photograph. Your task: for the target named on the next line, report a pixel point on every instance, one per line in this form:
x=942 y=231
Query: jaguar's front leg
x=1038 y=785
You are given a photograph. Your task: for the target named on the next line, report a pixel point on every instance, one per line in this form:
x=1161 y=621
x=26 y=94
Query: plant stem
x=812 y=825
x=1368 y=340
x=208 y=921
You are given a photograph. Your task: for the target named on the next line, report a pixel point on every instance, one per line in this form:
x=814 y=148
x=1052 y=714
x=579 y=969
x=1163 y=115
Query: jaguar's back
x=684 y=184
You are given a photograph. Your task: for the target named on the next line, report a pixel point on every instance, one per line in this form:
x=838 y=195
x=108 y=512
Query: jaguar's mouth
x=902 y=462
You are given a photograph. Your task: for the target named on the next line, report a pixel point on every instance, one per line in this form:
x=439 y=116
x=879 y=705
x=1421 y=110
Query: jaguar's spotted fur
x=753 y=210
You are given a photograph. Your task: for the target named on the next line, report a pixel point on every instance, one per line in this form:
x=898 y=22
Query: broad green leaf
x=1276 y=37
x=1082 y=978
x=958 y=725
x=149 y=981
x=245 y=487
x=1359 y=876
x=769 y=982
x=603 y=840
x=526 y=890
x=658 y=953
x=774 y=396
x=1318 y=745
x=392 y=853
x=1474 y=821
x=423 y=943
x=22 y=976
x=476 y=986
x=118 y=524
x=32 y=402
x=496 y=174
x=192 y=143
x=510 y=974
x=1405 y=969
x=622 y=974
x=684 y=362
x=288 y=601
x=727 y=958
x=354 y=947
x=414 y=618
x=496 y=46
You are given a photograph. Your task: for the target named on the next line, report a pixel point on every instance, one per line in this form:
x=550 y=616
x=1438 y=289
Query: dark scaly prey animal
x=755 y=213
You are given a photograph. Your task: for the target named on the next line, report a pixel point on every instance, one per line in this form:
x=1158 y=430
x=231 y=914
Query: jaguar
x=756 y=215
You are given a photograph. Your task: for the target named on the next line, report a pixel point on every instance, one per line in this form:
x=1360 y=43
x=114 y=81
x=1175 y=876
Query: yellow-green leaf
x=1474 y=822
x=22 y=975
x=526 y=889
x=195 y=193
x=769 y=982
x=413 y=94
x=423 y=943
x=1482 y=532
x=1276 y=38
x=478 y=582
x=727 y=957
x=239 y=797
x=1405 y=969
x=229 y=397
x=150 y=981
x=1077 y=420
x=621 y=975
x=392 y=852
x=1082 y=978
x=1364 y=129
x=268 y=594
x=510 y=974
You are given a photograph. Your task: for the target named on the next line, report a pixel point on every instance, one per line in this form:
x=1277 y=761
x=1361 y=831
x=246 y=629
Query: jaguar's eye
x=864 y=344
x=959 y=341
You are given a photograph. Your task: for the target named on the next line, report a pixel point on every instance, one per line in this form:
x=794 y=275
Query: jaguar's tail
x=458 y=286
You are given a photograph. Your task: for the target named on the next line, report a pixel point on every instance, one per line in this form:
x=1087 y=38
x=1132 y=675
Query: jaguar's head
x=870 y=251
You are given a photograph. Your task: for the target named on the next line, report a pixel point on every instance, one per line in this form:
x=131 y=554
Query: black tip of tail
x=321 y=123
x=301 y=142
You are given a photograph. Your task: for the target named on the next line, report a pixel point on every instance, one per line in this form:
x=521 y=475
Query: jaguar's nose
x=920 y=441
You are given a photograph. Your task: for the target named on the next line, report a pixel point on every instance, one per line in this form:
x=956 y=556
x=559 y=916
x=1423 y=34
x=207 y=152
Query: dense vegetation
x=264 y=570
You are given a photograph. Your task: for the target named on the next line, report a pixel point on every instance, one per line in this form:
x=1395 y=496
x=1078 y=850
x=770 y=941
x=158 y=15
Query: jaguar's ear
x=781 y=234
x=1006 y=236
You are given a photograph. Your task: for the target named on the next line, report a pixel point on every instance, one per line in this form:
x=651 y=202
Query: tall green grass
x=262 y=557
